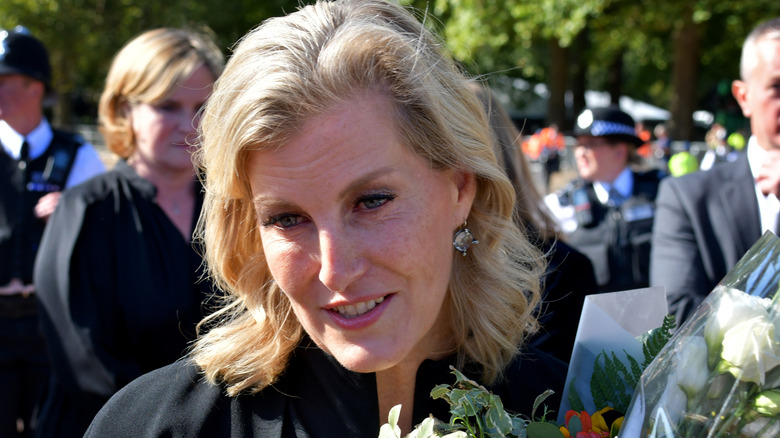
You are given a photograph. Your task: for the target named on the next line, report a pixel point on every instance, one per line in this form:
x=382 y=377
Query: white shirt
x=86 y=164
x=565 y=216
x=768 y=206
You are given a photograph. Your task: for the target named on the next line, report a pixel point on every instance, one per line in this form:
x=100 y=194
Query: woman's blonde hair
x=293 y=68
x=147 y=70
x=530 y=211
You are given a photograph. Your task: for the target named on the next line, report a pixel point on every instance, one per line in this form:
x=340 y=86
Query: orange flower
x=577 y=423
x=583 y=425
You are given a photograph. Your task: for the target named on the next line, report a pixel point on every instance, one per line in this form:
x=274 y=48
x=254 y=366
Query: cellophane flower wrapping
x=719 y=375
x=610 y=323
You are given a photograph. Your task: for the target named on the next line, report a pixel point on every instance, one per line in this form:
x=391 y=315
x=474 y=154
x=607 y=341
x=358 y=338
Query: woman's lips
x=350 y=311
x=359 y=315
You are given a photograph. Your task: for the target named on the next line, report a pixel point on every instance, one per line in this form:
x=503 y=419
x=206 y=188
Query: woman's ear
x=466 y=191
x=124 y=111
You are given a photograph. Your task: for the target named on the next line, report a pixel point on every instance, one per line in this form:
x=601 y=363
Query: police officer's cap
x=607 y=122
x=21 y=53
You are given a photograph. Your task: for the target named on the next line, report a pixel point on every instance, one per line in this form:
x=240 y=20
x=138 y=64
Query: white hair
x=768 y=30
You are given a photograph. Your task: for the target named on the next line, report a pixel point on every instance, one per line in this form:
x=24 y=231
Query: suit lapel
x=738 y=203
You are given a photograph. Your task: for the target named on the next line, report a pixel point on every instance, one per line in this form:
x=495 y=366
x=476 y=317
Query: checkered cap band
x=601 y=127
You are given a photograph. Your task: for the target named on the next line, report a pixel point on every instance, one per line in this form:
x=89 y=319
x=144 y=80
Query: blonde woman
x=349 y=177
x=118 y=277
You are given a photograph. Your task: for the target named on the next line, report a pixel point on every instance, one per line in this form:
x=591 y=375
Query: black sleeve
x=568 y=280
x=76 y=290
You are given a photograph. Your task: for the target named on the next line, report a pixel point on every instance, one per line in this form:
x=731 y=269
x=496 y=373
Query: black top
x=119 y=294
x=315 y=397
x=568 y=280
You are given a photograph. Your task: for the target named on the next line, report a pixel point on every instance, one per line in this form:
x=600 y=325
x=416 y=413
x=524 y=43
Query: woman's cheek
x=290 y=264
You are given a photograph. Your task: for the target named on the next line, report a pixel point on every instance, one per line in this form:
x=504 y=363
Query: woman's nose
x=340 y=259
x=188 y=121
x=188 y=125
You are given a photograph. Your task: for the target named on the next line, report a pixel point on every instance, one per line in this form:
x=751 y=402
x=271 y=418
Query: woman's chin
x=362 y=360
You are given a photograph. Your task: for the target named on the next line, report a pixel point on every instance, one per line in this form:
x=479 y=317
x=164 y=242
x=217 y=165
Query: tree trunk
x=579 y=71
x=61 y=104
x=615 y=79
x=686 y=41
x=556 y=105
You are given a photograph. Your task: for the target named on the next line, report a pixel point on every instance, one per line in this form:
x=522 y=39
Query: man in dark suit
x=706 y=221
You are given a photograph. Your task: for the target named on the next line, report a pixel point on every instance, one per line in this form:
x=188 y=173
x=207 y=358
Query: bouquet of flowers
x=718 y=376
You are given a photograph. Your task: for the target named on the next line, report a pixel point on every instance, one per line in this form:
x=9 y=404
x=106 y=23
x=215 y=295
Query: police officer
x=608 y=211
x=36 y=163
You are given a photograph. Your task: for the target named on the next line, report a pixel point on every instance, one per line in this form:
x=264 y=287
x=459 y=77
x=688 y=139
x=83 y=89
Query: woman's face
x=357 y=231
x=162 y=130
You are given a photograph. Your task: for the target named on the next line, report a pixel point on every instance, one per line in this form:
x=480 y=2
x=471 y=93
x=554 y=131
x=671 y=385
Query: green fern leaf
x=575 y=401
x=658 y=339
x=636 y=371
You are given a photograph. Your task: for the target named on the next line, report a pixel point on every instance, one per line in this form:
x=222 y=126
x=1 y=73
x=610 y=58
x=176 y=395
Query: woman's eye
x=167 y=106
x=375 y=201
x=283 y=221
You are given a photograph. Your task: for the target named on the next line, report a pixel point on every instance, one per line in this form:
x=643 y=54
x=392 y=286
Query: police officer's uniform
x=611 y=223
x=31 y=166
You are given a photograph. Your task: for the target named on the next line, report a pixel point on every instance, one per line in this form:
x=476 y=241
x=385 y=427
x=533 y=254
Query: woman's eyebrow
x=264 y=201
x=365 y=179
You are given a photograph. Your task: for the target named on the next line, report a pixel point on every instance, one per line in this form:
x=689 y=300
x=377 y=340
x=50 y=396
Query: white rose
x=774 y=312
x=750 y=349
x=669 y=411
x=732 y=308
x=691 y=371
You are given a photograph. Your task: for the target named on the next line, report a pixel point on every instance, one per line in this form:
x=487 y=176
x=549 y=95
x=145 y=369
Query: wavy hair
x=147 y=70
x=293 y=68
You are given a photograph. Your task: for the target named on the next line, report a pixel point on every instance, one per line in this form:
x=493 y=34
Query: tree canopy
x=672 y=54
x=676 y=55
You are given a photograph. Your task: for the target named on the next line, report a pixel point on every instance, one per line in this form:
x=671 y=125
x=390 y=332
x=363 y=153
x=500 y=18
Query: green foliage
x=474 y=409
x=575 y=402
x=657 y=339
x=475 y=413
x=611 y=383
x=510 y=37
x=83 y=35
